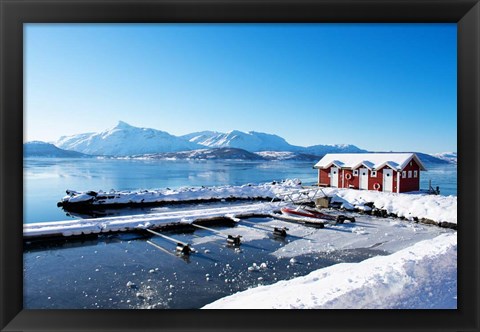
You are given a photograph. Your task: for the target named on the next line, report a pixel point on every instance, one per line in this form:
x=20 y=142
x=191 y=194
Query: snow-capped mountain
x=251 y=141
x=256 y=142
x=43 y=149
x=321 y=150
x=124 y=140
x=448 y=156
x=200 y=136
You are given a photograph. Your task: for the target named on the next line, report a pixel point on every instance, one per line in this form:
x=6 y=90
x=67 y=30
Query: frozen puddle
x=124 y=272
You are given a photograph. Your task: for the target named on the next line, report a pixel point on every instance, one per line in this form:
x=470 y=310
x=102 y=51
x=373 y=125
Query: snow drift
x=421 y=276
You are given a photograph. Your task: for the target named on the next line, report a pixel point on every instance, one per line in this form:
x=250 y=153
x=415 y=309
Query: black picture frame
x=14 y=13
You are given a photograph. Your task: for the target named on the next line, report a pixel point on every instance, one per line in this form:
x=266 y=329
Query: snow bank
x=421 y=276
x=410 y=206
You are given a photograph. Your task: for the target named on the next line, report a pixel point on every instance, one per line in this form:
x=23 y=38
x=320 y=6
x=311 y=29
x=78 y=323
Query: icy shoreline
x=421 y=276
x=411 y=206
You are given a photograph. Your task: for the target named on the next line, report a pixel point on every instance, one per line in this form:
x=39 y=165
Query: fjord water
x=46 y=179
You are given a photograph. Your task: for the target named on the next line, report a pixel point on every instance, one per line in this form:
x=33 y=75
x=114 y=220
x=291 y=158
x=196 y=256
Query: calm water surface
x=46 y=179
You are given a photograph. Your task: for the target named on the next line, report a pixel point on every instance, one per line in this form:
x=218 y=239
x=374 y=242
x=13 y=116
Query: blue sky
x=388 y=87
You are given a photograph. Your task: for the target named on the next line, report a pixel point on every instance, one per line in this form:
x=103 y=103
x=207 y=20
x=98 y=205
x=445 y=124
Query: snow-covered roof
x=373 y=161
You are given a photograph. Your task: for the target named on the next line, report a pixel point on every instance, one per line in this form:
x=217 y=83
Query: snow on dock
x=136 y=222
x=114 y=198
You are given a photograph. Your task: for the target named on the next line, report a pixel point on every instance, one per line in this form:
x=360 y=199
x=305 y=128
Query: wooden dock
x=84 y=228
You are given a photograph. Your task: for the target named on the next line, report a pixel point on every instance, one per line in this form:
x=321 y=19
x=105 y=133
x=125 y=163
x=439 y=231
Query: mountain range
x=124 y=140
x=127 y=140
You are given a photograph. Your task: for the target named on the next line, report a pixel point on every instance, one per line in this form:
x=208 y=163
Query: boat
x=315 y=214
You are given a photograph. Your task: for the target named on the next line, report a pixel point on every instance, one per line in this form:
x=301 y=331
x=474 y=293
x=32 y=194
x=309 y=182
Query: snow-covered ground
x=408 y=205
x=420 y=276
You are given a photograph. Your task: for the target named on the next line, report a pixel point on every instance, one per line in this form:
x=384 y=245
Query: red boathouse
x=389 y=172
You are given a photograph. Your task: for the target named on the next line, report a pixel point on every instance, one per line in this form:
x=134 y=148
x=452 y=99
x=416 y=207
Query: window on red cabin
x=404 y=174
x=409 y=174
x=415 y=174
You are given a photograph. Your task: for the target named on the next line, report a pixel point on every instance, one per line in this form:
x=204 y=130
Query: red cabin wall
x=379 y=179
x=323 y=178
x=373 y=180
x=353 y=183
x=410 y=184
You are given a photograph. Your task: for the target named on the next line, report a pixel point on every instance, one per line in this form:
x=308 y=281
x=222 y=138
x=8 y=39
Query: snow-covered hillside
x=203 y=154
x=200 y=136
x=42 y=149
x=321 y=150
x=124 y=140
x=250 y=141
x=448 y=156
x=261 y=142
x=264 y=143
x=226 y=154
x=287 y=155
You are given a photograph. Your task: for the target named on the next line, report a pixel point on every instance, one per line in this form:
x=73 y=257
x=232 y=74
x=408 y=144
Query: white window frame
x=409 y=174
x=373 y=174
x=404 y=174
x=415 y=174
x=355 y=172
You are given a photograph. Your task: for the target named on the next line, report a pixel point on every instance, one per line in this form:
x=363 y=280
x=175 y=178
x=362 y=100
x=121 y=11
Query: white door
x=388 y=180
x=334 y=177
x=363 y=174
